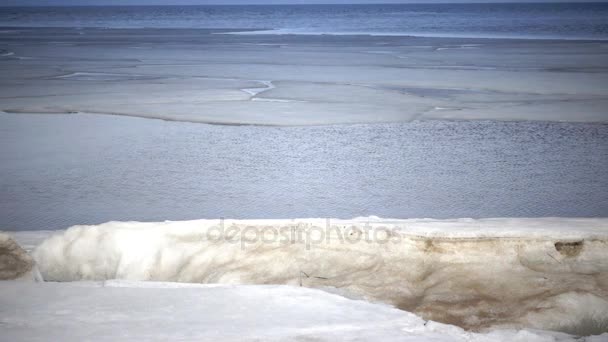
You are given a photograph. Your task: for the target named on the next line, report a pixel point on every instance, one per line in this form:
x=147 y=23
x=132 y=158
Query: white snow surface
x=134 y=311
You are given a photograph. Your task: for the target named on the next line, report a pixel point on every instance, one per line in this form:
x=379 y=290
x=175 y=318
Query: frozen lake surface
x=208 y=76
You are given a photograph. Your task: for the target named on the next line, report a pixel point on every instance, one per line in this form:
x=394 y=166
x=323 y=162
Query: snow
x=546 y=273
x=126 y=311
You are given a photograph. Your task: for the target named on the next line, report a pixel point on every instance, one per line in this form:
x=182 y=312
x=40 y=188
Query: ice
x=508 y=273
x=101 y=76
x=316 y=32
x=126 y=311
x=267 y=85
x=252 y=79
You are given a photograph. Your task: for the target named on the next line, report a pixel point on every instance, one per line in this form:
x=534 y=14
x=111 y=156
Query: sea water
x=61 y=170
x=506 y=20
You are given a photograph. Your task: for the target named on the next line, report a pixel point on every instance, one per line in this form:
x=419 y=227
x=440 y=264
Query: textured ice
x=510 y=273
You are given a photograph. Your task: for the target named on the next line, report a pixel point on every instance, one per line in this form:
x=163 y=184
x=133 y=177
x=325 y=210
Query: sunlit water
x=61 y=170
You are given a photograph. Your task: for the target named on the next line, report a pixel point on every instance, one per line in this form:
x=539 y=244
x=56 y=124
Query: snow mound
x=15 y=263
x=534 y=273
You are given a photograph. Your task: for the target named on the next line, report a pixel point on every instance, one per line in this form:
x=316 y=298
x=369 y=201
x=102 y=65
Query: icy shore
x=549 y=273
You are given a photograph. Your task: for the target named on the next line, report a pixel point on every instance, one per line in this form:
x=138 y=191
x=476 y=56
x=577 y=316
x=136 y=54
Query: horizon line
x=439 y=2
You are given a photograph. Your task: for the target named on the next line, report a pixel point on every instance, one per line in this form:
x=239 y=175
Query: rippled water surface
x=530 y=20
x=60 y=170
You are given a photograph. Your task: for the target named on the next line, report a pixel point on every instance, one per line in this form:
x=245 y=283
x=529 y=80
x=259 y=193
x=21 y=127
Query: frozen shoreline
x=198 y=76
x=548 y=274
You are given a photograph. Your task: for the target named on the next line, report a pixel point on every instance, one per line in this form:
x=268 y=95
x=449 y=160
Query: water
x=60 y=170
x=548 y=20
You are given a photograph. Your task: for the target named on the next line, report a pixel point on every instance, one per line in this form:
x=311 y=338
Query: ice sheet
x=199 y=76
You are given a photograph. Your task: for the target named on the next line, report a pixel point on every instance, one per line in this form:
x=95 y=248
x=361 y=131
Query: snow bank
x=540 y=273
x=125 y=311
x=15 y=263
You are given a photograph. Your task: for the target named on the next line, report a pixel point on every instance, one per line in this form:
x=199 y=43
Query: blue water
x=61 y=170
x=547 y=20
